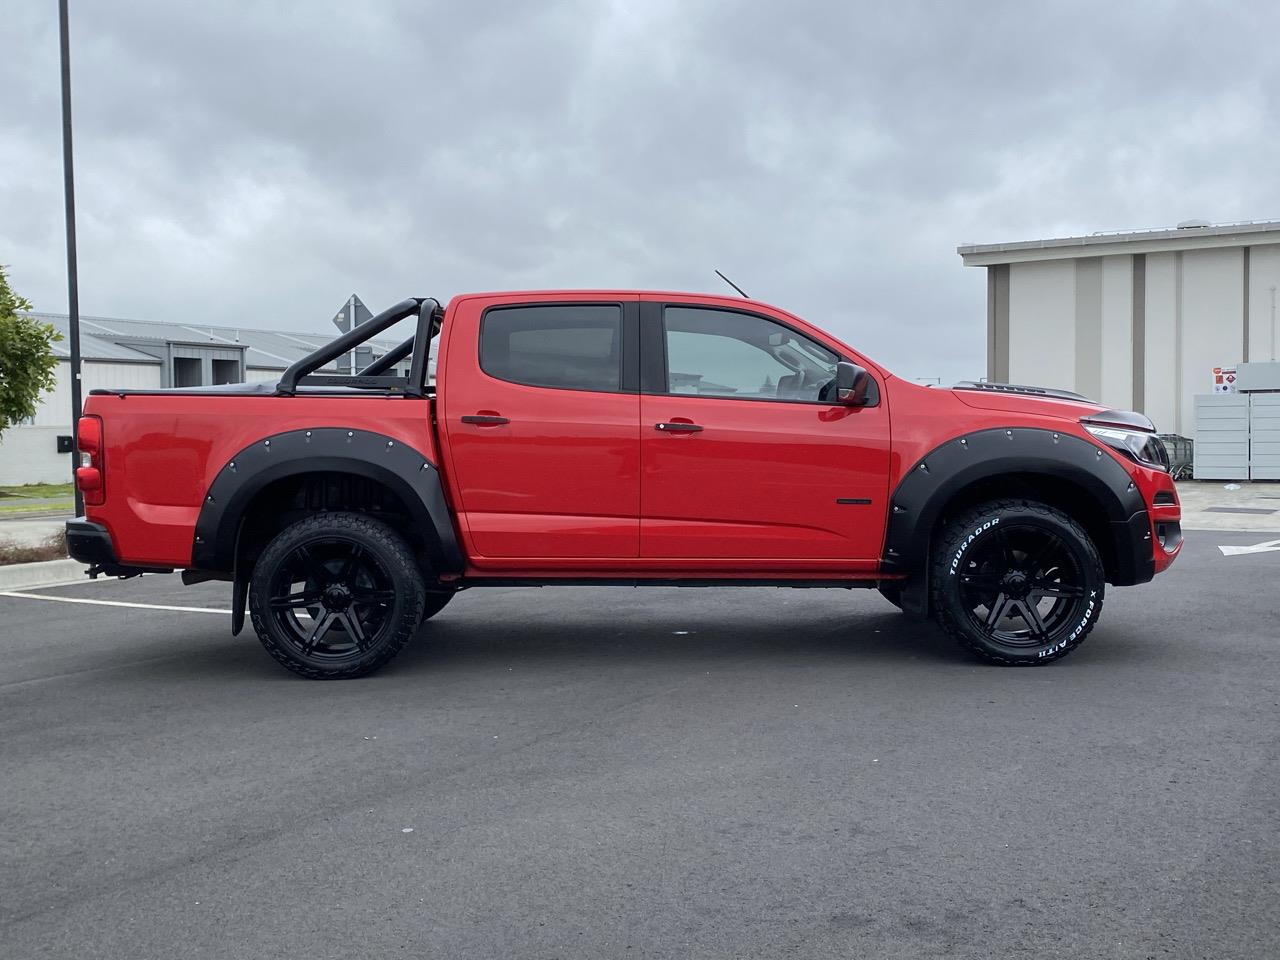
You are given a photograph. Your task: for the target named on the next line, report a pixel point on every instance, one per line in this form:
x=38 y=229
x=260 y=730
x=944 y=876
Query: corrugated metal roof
x=107 y=338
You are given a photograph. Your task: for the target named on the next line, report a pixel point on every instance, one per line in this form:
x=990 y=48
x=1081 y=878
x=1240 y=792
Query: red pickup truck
x=627 y=437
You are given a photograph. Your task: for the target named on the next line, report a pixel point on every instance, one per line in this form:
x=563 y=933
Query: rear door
x=539 y=402
x=744 y=456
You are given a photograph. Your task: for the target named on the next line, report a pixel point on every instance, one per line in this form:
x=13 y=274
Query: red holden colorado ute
x=621 y=437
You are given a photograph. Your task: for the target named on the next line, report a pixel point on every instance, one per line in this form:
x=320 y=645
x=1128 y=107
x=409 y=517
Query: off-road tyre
x=1015 y=561
x=338 y=565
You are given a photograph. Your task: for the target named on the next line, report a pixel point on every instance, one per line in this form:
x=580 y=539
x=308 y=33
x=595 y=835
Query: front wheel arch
x=1066 y=471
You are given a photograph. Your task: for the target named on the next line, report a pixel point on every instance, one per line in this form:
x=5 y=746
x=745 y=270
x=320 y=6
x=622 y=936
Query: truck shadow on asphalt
x=452 y=643
x=449 y=642
x=474 y=640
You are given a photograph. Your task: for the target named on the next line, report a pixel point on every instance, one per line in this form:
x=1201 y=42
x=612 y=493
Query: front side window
x=718 y=353
x=573 y=347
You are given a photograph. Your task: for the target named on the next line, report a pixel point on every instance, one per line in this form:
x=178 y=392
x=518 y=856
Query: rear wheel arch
x=287 y=475
x=1059 y=469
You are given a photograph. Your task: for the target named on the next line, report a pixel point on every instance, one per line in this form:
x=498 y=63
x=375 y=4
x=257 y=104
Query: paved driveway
x=609 y=772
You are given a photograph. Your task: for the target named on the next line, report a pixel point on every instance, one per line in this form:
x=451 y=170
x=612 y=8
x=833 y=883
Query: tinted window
x=572 y=347
x=717 y=353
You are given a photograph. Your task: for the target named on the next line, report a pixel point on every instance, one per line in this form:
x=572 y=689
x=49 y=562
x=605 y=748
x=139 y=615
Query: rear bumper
x=90 y=543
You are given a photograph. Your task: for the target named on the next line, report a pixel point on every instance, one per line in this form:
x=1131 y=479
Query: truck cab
x=622 y=437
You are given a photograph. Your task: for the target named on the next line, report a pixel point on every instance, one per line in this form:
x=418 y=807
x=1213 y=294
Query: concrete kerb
x=47 y=573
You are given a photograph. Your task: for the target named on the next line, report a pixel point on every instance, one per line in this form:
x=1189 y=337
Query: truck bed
x=163 y=449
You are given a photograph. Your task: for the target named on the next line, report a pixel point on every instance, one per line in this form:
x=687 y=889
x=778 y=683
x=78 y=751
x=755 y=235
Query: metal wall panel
x=1222 y=437
x=1212 y=320
x=30 y=455
x=55 y=407
x=1042 y=324
x=1264 y=436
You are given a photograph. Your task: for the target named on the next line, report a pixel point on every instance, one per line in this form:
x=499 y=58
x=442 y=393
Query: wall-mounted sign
x=1224 y=379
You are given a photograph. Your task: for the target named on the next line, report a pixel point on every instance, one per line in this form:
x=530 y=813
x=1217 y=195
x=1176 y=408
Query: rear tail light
x=89 y=474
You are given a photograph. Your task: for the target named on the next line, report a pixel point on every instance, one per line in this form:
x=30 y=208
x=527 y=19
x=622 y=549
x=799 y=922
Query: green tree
x=27 y=360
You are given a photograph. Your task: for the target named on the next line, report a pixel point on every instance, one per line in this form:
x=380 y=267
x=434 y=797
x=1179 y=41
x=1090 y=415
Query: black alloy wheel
x=1020 y=584
x=336 y=595
x=343 y=593
x=1017 y=582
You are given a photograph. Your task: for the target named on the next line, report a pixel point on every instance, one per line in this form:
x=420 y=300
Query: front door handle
x=677 y=427
x=485 y=420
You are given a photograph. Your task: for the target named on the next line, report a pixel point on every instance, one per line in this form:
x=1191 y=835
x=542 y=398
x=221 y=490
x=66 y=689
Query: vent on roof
x=1194 y=224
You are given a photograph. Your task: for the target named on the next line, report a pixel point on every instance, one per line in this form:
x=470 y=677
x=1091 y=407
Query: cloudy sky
x=257 y=162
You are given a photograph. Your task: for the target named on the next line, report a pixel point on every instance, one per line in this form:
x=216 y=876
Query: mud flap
x=915 y=595
x=239 y=597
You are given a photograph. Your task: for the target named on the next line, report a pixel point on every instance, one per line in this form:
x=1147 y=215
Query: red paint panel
x=161 y=453
x=561 y=478
x=1150 y=482
x=761 y=479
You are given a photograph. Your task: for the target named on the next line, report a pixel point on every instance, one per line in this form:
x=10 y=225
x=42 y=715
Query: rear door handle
x=485 y=420
x=677 y=427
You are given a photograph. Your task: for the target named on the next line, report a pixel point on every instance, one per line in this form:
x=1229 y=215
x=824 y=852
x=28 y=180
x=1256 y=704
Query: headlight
x=1145 y=448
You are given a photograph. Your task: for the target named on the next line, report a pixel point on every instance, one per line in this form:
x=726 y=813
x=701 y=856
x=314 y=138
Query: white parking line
x=110 y=603
x=1270 y=546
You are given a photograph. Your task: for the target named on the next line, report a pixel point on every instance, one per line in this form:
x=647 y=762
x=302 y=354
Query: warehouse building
x=148 y=355
x=1136 y=320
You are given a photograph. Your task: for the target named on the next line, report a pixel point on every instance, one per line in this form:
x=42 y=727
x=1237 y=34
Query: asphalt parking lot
x=610 y=772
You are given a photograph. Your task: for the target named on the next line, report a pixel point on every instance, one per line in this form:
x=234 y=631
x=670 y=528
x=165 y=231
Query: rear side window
x=572 y=347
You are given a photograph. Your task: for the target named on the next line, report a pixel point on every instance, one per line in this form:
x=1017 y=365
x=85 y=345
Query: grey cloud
x=239 y=160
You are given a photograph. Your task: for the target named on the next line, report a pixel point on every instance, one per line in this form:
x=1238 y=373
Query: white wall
x=1116 y=328
x=1071 y=325
x=1042 y=323
x=1212 y=322
x=1159 y=379
x=55 y=408
x=28 y=454
x=1264 y=319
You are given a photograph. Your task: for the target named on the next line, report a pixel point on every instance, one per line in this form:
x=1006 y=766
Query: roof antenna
x=741 y=292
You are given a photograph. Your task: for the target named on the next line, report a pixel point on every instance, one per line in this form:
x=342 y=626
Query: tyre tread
x=957 y=529
x=376 y=531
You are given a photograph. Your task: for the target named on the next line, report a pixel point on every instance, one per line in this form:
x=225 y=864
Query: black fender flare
x=405 y=471
x=924 y=491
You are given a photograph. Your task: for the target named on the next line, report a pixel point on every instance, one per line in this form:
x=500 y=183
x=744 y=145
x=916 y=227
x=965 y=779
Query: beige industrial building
x=1136 y=320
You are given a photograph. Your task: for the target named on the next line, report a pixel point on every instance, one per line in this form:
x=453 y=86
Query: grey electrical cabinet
x=1222 y=437
x=1264 y=436
x=1237 y=436
x=1257 y=376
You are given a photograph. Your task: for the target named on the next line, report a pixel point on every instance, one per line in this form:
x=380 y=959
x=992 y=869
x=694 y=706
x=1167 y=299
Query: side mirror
x=852 y=382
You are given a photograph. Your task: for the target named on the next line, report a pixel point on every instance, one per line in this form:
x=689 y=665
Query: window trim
x=654 y=379
x=628 y=353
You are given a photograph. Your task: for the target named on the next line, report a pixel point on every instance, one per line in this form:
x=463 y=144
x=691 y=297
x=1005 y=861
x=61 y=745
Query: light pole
x=73 y=284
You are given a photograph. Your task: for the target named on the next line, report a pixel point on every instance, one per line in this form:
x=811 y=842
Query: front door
x=541 y=411
x=745 y=455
